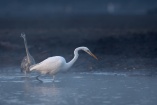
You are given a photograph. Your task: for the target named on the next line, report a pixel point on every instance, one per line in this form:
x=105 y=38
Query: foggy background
x=40 y=8
x=122 y=33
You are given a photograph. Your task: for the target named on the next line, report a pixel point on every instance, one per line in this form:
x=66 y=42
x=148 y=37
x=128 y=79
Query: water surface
x=80 y=88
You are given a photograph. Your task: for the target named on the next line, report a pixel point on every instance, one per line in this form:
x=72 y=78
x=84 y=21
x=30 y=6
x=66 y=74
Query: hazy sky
x=20 y=8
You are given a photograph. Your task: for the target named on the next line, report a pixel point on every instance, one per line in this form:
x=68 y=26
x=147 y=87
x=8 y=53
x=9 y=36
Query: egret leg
x=25 y=73
x=28 y=75
x=37 y=77
x=53 y=78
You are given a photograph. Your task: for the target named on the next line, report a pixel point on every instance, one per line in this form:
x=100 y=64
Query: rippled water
x=81 y=88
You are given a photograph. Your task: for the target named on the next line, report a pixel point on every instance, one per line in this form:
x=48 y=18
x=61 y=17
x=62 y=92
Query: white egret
x=53 y=65
x=28 y=60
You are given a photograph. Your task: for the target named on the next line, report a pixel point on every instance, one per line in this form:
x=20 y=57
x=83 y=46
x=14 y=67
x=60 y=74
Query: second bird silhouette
x=28 y=60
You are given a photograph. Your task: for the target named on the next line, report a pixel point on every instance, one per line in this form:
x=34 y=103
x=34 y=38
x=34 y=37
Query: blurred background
x=122 y=33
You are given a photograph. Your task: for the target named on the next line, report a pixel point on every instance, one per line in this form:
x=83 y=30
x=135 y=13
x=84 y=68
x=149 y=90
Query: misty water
x=77 y=88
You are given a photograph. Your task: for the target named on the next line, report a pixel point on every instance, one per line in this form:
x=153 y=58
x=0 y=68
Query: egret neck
x=70 y=63
x=27 y=52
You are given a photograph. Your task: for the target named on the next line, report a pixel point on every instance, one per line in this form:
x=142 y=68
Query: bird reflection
x=40 y=89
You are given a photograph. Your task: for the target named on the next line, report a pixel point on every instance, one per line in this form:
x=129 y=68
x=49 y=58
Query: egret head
x=23 y=35
x=89 y=52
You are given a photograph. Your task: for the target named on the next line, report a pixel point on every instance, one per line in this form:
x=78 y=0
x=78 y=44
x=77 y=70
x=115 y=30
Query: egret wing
x=50 y=65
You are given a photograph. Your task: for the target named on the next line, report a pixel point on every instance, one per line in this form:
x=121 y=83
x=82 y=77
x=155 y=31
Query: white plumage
x=50 y=65
x=53 y=65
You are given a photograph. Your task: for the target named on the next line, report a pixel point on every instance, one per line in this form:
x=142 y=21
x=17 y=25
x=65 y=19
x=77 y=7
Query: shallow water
x=81 y=88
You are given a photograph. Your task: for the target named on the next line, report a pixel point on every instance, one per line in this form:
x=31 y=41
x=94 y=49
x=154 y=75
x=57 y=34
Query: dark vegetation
x=120 y=42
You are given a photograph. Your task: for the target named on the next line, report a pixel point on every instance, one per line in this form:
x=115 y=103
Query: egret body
x=28 y=60
x=53 y=65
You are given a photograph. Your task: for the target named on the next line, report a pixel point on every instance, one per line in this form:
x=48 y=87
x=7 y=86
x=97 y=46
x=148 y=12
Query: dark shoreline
x=120 y=42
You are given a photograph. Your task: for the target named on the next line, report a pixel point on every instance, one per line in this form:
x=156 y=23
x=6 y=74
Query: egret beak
x=90 y=53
